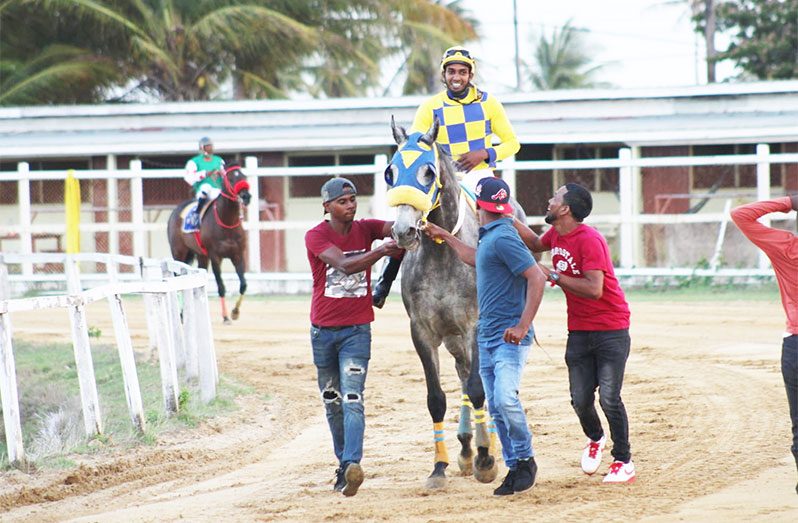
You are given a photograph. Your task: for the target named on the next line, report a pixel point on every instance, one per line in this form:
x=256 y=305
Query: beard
x=550 y=218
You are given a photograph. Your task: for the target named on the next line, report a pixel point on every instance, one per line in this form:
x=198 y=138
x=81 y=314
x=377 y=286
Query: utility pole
x=517 y=56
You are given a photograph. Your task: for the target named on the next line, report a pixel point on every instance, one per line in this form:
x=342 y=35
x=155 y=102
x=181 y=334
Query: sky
x=642 y=43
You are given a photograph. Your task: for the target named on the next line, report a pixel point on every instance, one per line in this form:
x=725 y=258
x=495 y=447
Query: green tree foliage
x=764 y=37
x=79 y=51
x=562 y=61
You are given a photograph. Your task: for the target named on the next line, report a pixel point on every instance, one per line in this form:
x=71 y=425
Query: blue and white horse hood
x=413 y=171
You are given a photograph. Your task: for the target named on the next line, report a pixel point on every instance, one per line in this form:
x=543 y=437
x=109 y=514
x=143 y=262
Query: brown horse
x=220 y=236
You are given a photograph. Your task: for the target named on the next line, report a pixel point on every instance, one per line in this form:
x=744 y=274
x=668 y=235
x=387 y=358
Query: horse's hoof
x=234 y=314
x=486 y=469
x=437 y=480
x=227 y=321
x=466 y=465
x=465 y=460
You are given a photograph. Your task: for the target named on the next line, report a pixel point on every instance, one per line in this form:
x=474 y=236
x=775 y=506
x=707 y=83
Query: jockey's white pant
x=471 y=178
x=208 y=192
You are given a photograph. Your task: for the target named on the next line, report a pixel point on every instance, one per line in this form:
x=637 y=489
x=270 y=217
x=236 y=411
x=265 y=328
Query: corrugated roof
x=725 y=113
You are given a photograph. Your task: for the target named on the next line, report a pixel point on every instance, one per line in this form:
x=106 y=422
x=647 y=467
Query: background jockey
x=203 y=173
x=468 y=118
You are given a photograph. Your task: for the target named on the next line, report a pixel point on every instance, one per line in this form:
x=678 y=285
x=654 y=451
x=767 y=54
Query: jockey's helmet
x=203 y=142
x=458 y=55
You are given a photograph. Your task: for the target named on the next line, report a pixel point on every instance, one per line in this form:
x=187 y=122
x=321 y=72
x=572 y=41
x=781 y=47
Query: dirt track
x=708 y=421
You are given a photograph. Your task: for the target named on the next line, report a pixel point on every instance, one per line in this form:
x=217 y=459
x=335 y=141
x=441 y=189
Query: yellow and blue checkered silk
x=467 y=125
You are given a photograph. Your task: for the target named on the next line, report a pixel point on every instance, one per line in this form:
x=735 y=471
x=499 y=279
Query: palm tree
x=561 y=62
x=427 y=29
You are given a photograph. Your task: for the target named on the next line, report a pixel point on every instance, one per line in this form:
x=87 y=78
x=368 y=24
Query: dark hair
x=579 y=200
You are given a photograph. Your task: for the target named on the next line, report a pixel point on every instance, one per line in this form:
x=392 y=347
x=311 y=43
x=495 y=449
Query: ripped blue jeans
x=341 y=356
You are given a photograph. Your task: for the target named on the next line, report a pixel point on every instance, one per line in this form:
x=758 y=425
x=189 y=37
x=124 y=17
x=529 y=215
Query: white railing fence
x=184 y=342
x=627 y=223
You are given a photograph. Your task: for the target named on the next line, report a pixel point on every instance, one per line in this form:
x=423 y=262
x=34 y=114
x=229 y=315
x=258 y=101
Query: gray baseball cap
x=335 y=188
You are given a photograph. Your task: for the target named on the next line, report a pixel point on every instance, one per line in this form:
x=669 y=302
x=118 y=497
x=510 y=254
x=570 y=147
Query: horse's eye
x=391 y=172
x=425 y=174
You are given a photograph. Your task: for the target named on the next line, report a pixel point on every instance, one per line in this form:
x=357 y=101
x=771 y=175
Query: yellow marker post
x=72 y=206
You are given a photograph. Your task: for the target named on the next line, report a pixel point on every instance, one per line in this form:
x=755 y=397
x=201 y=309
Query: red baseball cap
x=493 y=195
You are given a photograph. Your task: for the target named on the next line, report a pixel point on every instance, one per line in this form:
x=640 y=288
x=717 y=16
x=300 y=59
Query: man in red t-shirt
x=782 y=249
x=340 y=255
x=598 y=325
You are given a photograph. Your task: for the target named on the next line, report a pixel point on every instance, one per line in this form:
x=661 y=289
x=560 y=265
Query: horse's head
x=415 y=182
x=236 y=185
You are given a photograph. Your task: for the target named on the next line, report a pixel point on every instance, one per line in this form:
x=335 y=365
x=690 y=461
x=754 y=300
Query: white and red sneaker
x=621 y=472
x=591 y=456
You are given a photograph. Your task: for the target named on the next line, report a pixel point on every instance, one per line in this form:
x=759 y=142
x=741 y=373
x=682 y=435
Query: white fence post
x=253 y=215
x=23 y=195
x=166 y=355
x=763 y=192
x=85 y=366
x=9 y=396
x=137 y=207
x=627 y=208
x=113 y=206
x=208 y=372
x=379 y=202
x=190 y=333
x=508 y=175
x=150 y=307
x=128 y=362
x=174 y=321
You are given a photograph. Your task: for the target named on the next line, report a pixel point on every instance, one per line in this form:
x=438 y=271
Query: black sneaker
x=525 y=473
x=340 y=481
x=506 y=488
x=353 y=477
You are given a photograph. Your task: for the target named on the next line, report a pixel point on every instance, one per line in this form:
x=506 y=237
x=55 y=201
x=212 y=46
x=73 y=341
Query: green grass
x=47 y=381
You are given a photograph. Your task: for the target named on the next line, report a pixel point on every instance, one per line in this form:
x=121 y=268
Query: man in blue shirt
x=509 y=290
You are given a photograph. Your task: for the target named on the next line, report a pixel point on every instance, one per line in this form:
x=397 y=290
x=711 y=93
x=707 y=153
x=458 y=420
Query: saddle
x=192 y=218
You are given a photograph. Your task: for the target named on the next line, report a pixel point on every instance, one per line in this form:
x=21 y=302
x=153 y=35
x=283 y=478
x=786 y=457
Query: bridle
x=233 y=191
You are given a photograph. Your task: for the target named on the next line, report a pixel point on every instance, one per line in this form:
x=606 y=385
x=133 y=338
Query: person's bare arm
x=334 y=257
x=465 y=252
x=535 y=282
x=528 y=236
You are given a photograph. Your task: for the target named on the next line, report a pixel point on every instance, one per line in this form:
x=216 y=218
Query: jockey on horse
x=468 y=117
x=203 y=173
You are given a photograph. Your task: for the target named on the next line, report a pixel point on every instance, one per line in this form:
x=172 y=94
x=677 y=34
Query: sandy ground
x=708 y=424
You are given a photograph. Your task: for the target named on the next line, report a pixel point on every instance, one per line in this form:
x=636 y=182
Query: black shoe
x=353 y=477
x=506 y=488
x=525 y=473
x=340 y=480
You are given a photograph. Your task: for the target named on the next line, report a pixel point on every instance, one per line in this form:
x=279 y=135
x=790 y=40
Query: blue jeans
x=789 y=371
x=501 y=365
x=598 y=359
x=341 y=356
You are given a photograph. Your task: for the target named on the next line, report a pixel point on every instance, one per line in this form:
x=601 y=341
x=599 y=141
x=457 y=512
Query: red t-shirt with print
x=340 y=299
x=585 y=249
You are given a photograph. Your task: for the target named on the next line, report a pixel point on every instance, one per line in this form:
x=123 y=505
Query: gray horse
x=439 y=292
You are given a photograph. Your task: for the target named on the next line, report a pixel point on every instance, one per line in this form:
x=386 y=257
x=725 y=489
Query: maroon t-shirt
x=341 y=299
x=585 y=249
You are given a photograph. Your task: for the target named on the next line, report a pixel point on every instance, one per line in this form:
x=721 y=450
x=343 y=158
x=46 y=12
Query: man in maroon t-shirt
x=340 y=255
x=598 y=325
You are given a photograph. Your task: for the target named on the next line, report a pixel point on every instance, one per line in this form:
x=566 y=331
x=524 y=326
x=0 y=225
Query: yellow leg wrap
x=441 y=454
x=479 y=415
x=467 y=401
x=238 y=301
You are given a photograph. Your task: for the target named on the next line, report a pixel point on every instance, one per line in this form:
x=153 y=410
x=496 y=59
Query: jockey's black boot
x=383 y=287
x=201 y=201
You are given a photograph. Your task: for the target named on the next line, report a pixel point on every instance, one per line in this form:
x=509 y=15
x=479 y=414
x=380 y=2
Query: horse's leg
x=242 y=285
x=436 y=403
x=485 y=467
x=457 y=348
x=216 y=265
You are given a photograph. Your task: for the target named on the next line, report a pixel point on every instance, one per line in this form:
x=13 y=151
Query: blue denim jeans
x=341 y=356
x=501 y=366
x=598 y=359
x=789 y=371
